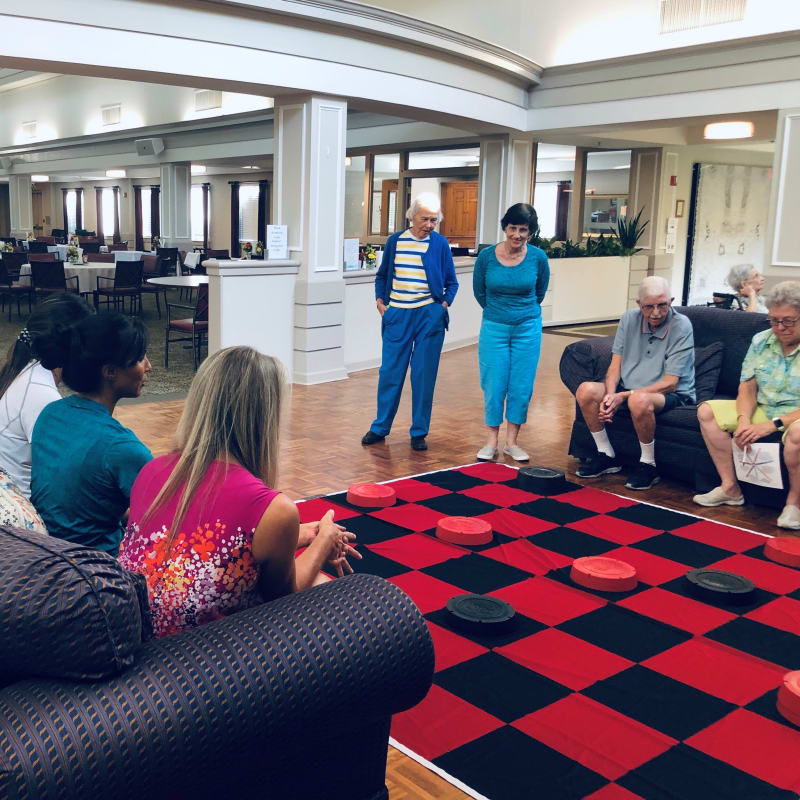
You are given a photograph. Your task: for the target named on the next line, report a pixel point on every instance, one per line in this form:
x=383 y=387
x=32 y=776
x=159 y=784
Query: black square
x=374 y=564
x=767 y=706
x=477 y=573
x=659 y=702
x=763 y=641
x=499 y=686
x=682 y=550
x=624 y=632
x=795 y=595
x=520 y=628
x=558 y=487
x=681 y=586
x=553 y=511
x=341 y=500
x=458 y=505
x=660 y=519
x=370 y=530
x=451 y=479
x=507 y=764
x=685 y=773
x=569 y=542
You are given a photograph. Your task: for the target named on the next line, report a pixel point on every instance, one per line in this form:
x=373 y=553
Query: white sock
x=603 y=442
x=648 y=452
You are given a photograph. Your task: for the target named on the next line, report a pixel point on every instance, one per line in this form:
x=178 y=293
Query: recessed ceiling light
x=728 y=130
x=250 y=166
x=40 y=178
x=115 y=173
x=198 y=169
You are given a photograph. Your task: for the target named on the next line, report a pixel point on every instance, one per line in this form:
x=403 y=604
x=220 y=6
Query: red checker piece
x=784 y=550
x=789 y=696
x=603 y=574
x=788 y=713
x=464 y=530
x=371 y=495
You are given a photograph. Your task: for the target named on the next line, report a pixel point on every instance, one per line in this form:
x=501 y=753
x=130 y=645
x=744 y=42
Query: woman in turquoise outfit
x=510 y=281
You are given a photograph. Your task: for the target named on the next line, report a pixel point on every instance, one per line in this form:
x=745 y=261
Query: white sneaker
x=790 y=518
x=516 y=452
x=487 y=453
x=718 y=497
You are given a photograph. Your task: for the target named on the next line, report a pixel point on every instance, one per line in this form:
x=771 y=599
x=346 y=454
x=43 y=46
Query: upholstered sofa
x=680 y=450
x=291 y=699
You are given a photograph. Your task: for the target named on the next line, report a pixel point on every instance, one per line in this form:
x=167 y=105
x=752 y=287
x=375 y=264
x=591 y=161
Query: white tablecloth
x=130 y=255
x=87 y=275
x=190 y=262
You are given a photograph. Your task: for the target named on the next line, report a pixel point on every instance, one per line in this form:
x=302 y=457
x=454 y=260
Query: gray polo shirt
x=647 y=356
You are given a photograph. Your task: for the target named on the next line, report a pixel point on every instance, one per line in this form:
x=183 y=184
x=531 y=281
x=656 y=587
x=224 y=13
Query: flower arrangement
x=156 y=241
x=8 y=247
x=73 y=254
x=75 y=241
x=259 y=248
x=247 y=248
x=31 y=237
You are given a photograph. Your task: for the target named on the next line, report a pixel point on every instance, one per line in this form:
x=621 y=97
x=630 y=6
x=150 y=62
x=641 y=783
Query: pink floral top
x=210 y=571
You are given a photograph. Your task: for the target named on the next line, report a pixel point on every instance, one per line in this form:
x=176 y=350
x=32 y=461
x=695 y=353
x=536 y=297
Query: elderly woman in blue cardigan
x=510 y=281
x=414 y=287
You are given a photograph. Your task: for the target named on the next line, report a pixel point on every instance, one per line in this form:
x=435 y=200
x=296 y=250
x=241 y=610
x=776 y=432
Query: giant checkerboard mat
x=648 y=694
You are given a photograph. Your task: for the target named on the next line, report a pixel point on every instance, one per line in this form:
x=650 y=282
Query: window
x=385 y=174
x=72 y=210
x=248 y=213
x=108 y=212
x=354 y=197
x=197 y=213
x=146 y=229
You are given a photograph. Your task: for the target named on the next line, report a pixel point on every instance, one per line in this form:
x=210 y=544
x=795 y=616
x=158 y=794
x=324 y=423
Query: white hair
x=785 y=293
x=653 y=286
x=425 y=200
x=738 y=275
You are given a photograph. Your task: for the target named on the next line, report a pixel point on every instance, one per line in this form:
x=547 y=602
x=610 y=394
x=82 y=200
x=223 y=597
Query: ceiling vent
x=206 y=99
x=682 y=15
x=29 y=129
x=111 y=115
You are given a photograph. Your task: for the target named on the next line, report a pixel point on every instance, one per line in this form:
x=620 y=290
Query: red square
x=411 y=516
x=650 y=568
x=449 y=648
x=427 y=592
x=410 y=490
x=764 y=574
x=513 y=523
x=718 y=535
x=441 y=722
x=417 y=551
x=564 y=658
x=783 y=613
x=490 y=472
x=526 y=555
x=756 y=745
x=313 y=510
x=500 y=494
x=548 y=601
x=615 y=530
x=595 y=500
x=596 y=736
x=682 y=612
x=612 y=792
x=718 y=670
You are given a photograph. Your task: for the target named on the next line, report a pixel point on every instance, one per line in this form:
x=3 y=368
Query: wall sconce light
x=115 y=173
x=729 y=130
x=198 y=169
x=40 y=178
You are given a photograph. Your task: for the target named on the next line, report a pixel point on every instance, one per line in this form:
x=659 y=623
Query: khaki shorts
x=725 y=414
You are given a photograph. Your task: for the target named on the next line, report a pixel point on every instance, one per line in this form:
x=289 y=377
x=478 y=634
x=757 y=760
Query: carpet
x=646 y=694
x=596 y=330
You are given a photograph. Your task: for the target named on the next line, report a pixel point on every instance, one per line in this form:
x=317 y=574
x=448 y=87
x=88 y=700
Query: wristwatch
x=778 y=423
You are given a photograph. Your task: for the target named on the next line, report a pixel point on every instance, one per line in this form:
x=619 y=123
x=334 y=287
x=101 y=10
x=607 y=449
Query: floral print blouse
x=210 y=570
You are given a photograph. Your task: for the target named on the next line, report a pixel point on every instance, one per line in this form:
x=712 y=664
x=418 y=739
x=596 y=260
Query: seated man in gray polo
x=652 y=370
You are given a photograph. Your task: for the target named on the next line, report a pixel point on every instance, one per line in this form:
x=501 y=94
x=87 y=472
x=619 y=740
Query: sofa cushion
x=66 y=611
x=707 y=367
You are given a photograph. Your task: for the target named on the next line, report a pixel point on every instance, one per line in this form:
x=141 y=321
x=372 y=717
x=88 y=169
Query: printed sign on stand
x=277 y=242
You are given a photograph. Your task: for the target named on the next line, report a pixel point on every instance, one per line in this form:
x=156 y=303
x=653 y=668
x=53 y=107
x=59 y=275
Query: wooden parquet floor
x=321 y=453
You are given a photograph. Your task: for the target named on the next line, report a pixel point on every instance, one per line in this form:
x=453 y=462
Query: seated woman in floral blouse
x=206 y=529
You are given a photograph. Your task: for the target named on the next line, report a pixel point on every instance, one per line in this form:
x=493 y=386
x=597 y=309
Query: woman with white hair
x=748 y=282
x=414 y=287
x=768 y=401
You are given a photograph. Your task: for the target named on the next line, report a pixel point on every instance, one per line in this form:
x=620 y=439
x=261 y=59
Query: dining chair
x=37 y=247
x=152 y=269
x=100 y=258
x=13 y=263
x=117 y=246
x=192 y=329
x=49 y=240
x=127 y=282
x=41 y=257
x=10 y=287
x=49 y=277
x=91 y=246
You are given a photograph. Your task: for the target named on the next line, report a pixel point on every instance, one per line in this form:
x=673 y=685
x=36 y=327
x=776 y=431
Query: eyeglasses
x=783 y=322
x=649 y=308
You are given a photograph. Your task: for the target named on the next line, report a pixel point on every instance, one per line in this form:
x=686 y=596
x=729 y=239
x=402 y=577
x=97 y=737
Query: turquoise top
x=83 y=466
x=511 y=294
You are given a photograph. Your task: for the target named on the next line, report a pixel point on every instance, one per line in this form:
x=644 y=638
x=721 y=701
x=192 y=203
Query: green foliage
x=628 y=232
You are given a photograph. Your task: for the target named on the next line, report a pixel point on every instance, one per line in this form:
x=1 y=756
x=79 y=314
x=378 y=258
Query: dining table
x=87 y=274
x=180 y=281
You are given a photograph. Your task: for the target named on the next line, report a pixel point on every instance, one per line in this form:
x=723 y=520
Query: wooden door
x=460 y=209
x=36 y=212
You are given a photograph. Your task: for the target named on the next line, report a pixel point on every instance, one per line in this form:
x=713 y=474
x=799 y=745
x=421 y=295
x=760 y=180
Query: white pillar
x=21 y=201
x=506 y=173
x=310 y=140
x=783 y=238
x=176 y=209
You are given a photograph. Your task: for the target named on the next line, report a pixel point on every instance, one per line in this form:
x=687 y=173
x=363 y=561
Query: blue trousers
x=415 y=335
x=508 y=356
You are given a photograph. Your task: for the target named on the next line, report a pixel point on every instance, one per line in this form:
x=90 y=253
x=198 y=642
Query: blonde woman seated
x=206 y=529
x=747 y=282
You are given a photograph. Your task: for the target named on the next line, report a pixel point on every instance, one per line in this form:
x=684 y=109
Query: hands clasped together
x=750 y=432
x=334 y=538
x=609 y=405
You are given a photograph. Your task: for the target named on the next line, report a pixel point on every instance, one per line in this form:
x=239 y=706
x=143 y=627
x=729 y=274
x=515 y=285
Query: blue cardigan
x=439 y=270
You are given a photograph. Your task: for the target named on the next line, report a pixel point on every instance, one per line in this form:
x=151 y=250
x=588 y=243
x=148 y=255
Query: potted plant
x=259 y=249
x=628 y=232
x=370 y=257
x=247 y=249
x=73 y=254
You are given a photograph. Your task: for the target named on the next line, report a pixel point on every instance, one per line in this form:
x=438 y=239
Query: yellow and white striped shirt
x=410 y=284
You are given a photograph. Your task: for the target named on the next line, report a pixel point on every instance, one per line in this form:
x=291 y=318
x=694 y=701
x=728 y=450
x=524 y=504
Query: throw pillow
x=16 y=511
x=707 y=368
x=66 y=611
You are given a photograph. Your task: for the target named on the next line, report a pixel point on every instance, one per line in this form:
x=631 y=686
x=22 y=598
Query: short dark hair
x=98 y=341
x=521 y=214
